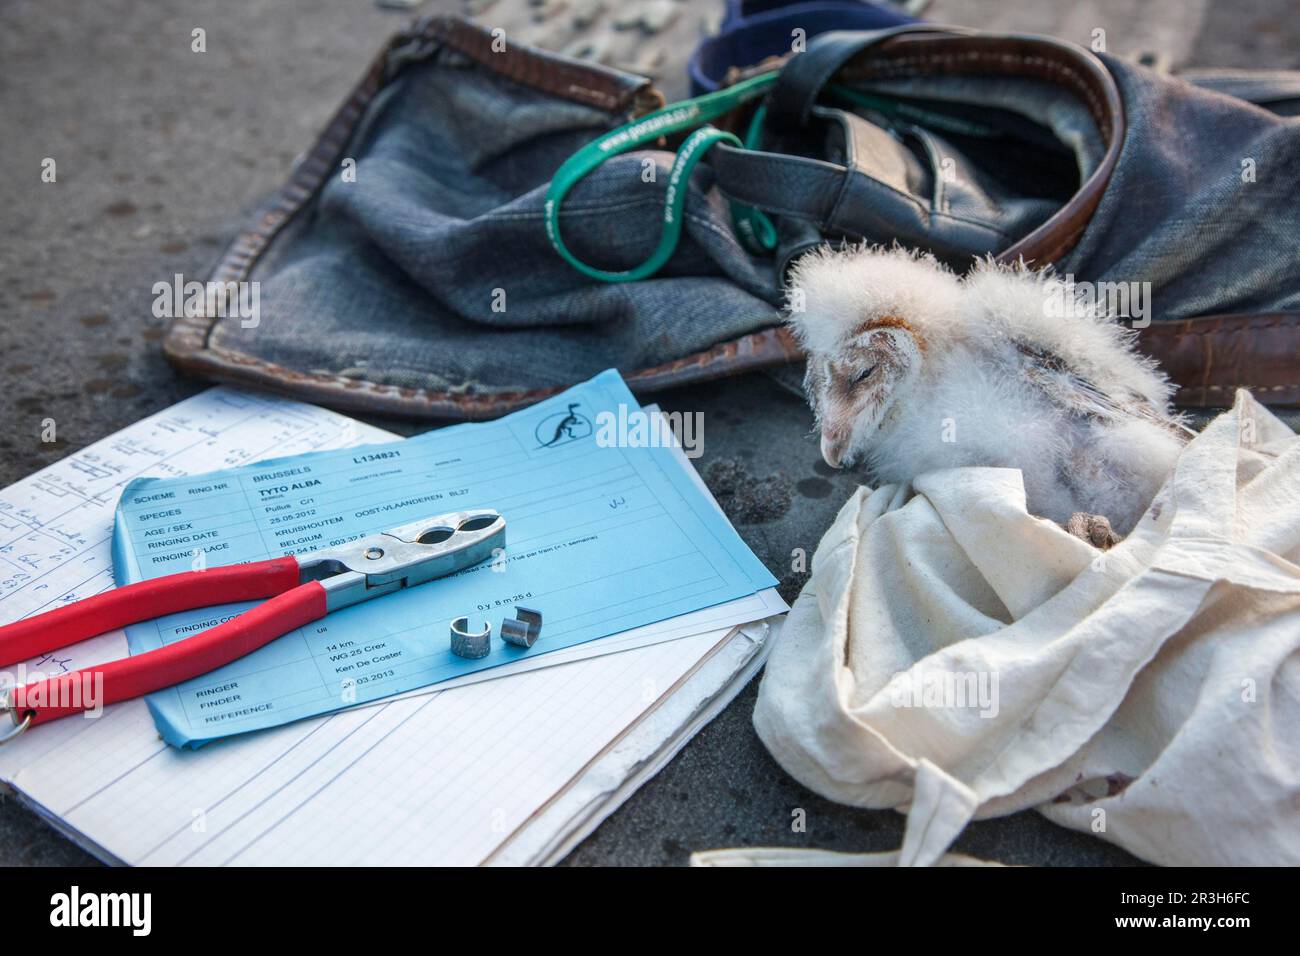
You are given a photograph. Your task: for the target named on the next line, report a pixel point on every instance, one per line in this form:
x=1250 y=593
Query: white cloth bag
x=1150 y=694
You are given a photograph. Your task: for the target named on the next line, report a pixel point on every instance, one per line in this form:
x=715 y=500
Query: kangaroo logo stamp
x=563 y=427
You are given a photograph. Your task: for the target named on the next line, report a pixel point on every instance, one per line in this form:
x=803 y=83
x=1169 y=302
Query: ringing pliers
x=302 y=588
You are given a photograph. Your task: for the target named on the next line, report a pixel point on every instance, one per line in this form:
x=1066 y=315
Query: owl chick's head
x=867 y=317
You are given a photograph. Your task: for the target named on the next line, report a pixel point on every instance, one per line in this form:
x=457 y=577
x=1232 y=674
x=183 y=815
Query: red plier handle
x=292 y=604
x=301 y=589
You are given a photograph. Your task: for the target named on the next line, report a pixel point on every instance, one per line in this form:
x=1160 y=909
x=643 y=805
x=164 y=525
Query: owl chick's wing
x=1081 y=397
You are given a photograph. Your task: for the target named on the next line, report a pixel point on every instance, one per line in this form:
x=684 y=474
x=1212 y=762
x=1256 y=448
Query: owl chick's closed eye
x=911 y=369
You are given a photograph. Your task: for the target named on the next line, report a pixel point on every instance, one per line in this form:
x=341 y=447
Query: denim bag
x=405 y=267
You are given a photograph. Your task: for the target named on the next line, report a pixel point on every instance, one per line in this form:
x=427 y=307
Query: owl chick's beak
x=833 y=446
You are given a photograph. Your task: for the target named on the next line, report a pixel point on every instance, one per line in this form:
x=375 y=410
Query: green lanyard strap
x=754 y=228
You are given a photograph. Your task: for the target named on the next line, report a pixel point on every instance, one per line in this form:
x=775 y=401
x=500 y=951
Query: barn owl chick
x=911 y=369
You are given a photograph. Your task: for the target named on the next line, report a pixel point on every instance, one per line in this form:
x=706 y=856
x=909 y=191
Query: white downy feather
x=1001 y=382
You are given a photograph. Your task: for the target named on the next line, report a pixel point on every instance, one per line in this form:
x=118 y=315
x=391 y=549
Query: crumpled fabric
x=954 y=658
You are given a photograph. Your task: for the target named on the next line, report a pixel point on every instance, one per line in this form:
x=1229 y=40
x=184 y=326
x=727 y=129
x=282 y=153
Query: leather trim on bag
x=757 y=350
x=1210 y=357
x=1037 y=57
x=596 y=86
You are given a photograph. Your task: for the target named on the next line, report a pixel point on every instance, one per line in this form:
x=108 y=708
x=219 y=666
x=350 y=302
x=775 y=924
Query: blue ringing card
x=606 y=531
